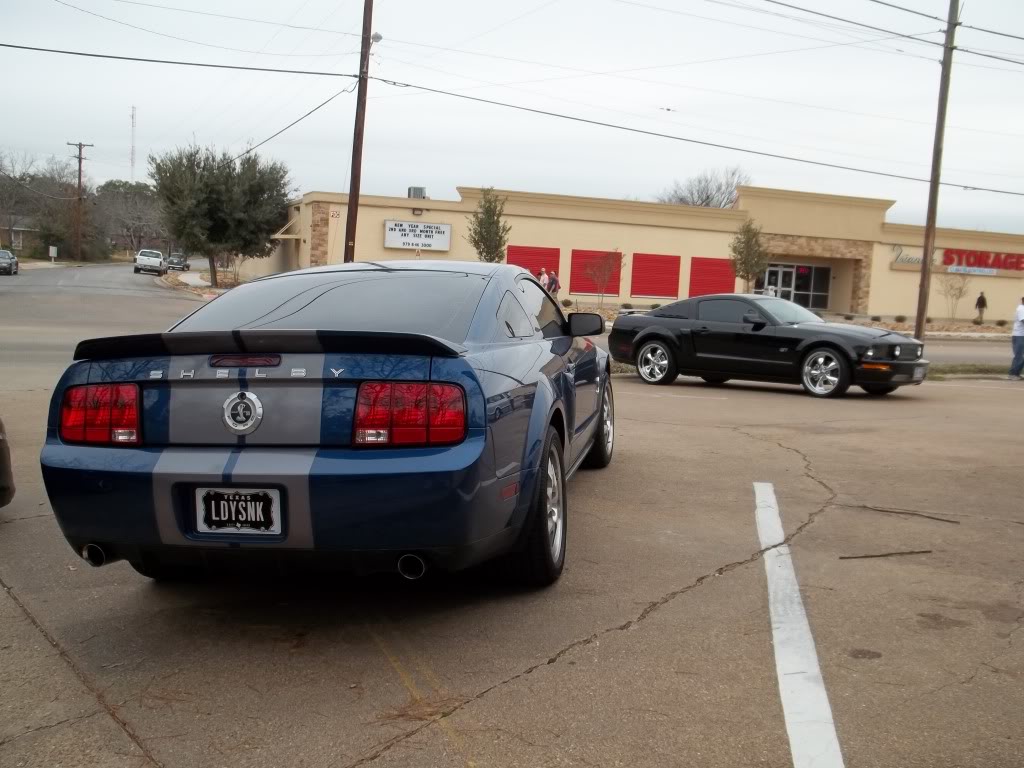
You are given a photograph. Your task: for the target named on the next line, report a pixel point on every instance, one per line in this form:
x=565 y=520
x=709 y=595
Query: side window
x=722 y=311
x=542 y=311
x=677 y=309
x=512 y=320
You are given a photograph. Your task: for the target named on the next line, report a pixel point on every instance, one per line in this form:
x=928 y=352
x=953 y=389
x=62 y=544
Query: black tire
x=655 y=363
x=878 y=390
x=715 y=379
x=156 y=570
x=825 y=372
x=534 y=564
x=137 y=270
x=600 y=454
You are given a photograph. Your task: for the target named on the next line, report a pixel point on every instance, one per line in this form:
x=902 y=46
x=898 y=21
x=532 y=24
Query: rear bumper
x=347 y=506
x=891 y=373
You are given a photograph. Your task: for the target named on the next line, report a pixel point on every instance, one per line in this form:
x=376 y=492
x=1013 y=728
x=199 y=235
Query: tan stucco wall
x=799 y=228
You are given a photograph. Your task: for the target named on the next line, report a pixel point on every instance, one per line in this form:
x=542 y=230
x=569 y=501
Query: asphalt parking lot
x=668 y=642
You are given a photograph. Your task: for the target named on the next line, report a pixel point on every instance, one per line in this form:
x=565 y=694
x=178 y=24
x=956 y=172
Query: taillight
x=409 y=414
x=101 y=414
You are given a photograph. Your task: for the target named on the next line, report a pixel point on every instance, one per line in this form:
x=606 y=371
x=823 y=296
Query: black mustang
x=762 y=338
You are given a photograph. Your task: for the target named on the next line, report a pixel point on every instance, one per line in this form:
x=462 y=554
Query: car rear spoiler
x=227 y=342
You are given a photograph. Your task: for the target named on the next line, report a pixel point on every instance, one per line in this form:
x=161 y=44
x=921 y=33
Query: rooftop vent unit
x=418 y=193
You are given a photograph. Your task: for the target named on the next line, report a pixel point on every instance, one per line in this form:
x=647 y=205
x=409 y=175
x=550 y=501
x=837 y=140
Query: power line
x=176 y=62
x=21 y=183
x=993 y=32
x=521 y=108
x=657 y=134
x=882 y=29
x=908 y=10
x=196 y=42
x=272 y=136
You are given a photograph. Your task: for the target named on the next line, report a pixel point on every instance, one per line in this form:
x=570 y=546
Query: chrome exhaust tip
x=412 y=567
x=94 y=555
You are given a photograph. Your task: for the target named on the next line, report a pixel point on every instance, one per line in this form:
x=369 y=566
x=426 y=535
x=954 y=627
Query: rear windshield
x=152 y=254
x=438 y=304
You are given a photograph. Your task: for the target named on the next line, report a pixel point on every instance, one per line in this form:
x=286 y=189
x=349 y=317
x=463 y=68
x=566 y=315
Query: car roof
x=453 y=267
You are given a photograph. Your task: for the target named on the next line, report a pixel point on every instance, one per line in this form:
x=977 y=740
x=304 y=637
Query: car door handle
x=701 y=331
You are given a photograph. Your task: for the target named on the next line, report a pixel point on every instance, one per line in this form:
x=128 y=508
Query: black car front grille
x=907 y=352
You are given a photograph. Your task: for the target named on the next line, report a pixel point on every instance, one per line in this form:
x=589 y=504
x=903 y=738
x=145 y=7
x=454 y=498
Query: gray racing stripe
x=289 y=467
x=201 y=466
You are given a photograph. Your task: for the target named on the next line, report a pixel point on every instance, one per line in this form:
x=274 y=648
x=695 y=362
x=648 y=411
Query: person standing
x=1018 y=343
x=542 y=278
x=553 y=284
x=981 y=305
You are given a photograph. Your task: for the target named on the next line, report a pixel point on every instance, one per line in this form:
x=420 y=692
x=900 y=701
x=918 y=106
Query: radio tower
x=132 y=158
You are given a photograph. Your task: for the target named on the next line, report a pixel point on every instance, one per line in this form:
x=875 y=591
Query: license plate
x=919 y=373
x=255 y=511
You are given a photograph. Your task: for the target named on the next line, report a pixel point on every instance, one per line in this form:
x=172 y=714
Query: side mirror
x=586 y=324
x=753 y=318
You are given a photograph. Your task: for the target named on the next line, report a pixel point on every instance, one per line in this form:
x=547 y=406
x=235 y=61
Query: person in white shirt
x=1018 y=343
x=543 y=278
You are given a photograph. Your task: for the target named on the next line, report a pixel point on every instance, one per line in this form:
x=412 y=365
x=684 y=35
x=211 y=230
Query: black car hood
x=859 y=332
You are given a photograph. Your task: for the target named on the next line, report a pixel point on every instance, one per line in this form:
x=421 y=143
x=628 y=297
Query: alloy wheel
x=653 y=364
x=554 y=507
x=821 y=372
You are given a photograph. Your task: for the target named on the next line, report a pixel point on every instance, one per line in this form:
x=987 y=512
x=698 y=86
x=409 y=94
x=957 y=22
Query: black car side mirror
x=754 y=318
x=586 y=324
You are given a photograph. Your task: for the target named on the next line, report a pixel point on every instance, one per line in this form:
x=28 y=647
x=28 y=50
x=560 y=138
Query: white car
x=150 y=261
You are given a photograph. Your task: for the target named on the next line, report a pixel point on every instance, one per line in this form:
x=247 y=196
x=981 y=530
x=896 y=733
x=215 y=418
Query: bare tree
x=132 y=211
x=708 y=189
x=953 y=287
x=15 y=198
x=749 y=256
x=602 y=269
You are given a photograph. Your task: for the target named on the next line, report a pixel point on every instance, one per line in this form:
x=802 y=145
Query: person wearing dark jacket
x=6 y=473
x=981 y=305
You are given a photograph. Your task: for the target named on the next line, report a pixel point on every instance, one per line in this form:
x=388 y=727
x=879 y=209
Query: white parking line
x=812 y=732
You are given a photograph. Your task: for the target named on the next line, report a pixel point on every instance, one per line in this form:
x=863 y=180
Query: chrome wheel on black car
x=825 y=373
x=655 y=363
x=600 y=454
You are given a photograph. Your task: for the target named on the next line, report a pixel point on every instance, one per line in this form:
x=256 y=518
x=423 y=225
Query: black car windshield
x=788 y=312
x=6 y=256
x=438 y=304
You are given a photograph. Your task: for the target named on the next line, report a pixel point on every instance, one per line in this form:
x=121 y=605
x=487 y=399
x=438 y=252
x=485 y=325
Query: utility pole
x=357 y=132
x=133 y=144
x=78 y=200
x=933 y=189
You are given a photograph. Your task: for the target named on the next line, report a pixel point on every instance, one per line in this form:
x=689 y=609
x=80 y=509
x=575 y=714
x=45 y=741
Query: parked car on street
x=150 y=261
x=178 y=261
x=8 y=263
x=6 y=471
x=387 y=416
x=760 y=338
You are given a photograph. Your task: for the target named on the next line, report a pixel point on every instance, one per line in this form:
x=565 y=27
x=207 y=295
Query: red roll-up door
x=582 y=275
x=655 y=275
x=533 y=258
x=711 y=276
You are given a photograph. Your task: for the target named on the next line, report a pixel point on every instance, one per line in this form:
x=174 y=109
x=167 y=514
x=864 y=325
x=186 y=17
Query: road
x=659 y=646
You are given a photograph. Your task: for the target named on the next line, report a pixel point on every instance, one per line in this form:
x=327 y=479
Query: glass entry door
x=780 y=277
x=808 y=286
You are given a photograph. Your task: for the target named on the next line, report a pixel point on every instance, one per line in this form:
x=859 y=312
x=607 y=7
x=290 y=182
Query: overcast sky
x=741 y=72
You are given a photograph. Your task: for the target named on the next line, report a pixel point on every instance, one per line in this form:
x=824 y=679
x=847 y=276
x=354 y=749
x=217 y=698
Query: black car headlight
x=897 y=351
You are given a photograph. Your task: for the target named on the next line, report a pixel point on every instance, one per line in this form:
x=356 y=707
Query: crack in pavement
x=82 y=676
x=47 y=727
x=649 y=609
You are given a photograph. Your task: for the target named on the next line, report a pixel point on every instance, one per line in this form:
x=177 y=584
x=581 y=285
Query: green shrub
x=566 y=303
x=1001 y=323
x=876 y=319
x=976 y=321
x=655 y=306
x=901 y=318
x=626 y=305
x=848 y=317
x=927 y=319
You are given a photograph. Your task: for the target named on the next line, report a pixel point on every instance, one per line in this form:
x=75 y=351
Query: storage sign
x=417 y=235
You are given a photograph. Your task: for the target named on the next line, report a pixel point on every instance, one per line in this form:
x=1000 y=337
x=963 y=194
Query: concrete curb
x=950 y=336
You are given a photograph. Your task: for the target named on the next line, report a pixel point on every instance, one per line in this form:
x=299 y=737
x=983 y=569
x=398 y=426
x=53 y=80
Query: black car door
x=726 y=338
x=578 y=354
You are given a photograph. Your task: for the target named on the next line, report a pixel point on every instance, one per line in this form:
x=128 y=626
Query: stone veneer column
x=318 y=235
x=861 y=286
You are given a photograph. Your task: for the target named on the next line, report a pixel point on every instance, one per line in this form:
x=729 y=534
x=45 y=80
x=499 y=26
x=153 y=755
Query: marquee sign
x=417 y=235
x=962 y=261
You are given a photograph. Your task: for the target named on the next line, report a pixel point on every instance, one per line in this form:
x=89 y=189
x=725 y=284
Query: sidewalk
x=193 y=279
